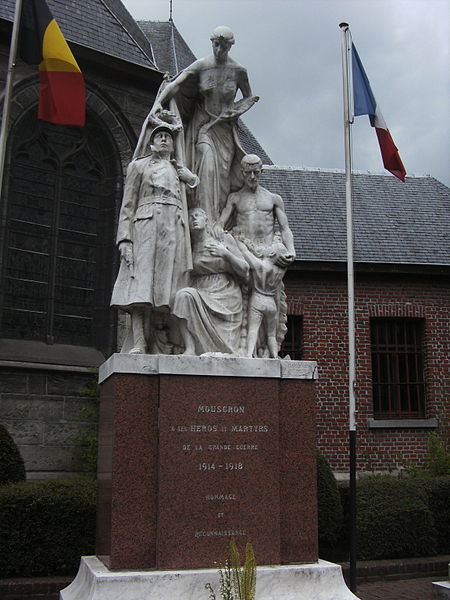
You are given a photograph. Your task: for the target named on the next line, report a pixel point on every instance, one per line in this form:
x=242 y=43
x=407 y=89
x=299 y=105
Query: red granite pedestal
x=196 y=450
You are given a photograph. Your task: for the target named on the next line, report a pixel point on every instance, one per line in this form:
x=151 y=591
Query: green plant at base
x=236 y=582
x=225 y=583
x=438 y=457
x=244 y=578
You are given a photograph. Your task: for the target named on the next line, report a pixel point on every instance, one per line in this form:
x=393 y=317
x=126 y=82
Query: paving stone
x=406 y=589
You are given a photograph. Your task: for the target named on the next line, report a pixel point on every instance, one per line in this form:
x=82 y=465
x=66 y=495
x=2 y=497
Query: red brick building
x=402 y=257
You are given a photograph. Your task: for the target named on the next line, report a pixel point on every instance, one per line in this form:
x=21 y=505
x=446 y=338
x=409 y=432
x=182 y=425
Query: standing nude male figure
x=255 y=212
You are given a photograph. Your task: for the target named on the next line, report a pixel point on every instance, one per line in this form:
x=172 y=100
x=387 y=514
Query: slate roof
x=171 y=52
x=394 y=223
x=172 y=55
x=102 y=25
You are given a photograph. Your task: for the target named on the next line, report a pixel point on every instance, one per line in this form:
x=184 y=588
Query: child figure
x=267 y=277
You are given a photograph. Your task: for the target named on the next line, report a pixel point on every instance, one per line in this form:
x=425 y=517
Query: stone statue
x=267 y=277
x=222 y=293
x=203 y=97
x=151 y=238
x=253 y=213
x=256 y=211
x=210 y=311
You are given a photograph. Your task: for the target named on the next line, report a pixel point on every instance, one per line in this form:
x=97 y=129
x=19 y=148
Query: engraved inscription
x=213 y=448
x=223 y=429
x=204 y=428
x=222 y=409
x=249 y=428
x=229 y=466
x=226 y=533
x=220 y=497
x=246 y=447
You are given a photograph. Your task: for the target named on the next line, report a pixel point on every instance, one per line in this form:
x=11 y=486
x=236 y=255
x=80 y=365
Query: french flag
x=365 y=104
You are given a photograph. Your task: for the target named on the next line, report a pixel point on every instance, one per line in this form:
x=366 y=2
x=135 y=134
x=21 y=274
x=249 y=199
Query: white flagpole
x=348 y=120
x=8 y=89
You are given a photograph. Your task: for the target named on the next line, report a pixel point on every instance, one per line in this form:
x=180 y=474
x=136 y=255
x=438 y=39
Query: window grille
x=398 y=368
x=293 y=341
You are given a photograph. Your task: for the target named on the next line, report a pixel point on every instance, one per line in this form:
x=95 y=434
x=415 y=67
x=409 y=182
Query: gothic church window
x=57 y=248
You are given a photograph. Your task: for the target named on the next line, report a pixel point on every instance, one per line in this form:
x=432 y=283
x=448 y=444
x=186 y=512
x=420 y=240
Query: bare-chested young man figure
x=256 y=211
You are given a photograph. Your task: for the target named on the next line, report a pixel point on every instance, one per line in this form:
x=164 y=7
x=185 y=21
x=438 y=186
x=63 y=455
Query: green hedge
x=439 y=501
x=12 y=468
x=46 y=526
x=330 y=514
x=394 y=519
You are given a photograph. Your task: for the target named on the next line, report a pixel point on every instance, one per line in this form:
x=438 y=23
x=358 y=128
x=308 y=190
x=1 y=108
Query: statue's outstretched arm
x=285 y=230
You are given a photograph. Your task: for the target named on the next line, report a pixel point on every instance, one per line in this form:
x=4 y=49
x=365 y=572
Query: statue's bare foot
x=189 y=352
x=137 y=350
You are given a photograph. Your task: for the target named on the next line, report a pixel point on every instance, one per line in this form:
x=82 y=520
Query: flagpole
x=8 y=89
x=348 y=119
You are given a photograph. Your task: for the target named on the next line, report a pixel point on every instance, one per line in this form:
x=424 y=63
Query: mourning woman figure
x=204 y=96
x=210 y=311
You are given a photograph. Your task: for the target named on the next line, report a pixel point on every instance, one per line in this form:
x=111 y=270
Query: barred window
x=293 y=341
x=398 y=368
x=57 y=249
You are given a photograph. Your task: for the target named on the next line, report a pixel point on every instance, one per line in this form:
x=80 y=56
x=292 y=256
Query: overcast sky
x=292 y=52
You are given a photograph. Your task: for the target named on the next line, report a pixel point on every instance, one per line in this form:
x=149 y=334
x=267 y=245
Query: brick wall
x=323 y=304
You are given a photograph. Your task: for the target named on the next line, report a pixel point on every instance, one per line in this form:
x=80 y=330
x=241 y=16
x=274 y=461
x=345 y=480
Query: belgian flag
x=62 y=97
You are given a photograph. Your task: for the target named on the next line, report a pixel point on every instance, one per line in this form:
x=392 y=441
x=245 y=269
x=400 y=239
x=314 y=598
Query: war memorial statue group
x=204 y=247
x=203 y=438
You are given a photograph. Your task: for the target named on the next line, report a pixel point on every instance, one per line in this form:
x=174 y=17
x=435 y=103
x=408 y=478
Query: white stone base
x=441 y=590
x=317 y=581
x=207 y=364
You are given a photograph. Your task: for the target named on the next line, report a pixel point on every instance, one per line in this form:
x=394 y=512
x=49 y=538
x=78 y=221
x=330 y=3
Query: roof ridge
x=336 y=170
x=172 y=39
x=176 y=44
x=109 y=9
